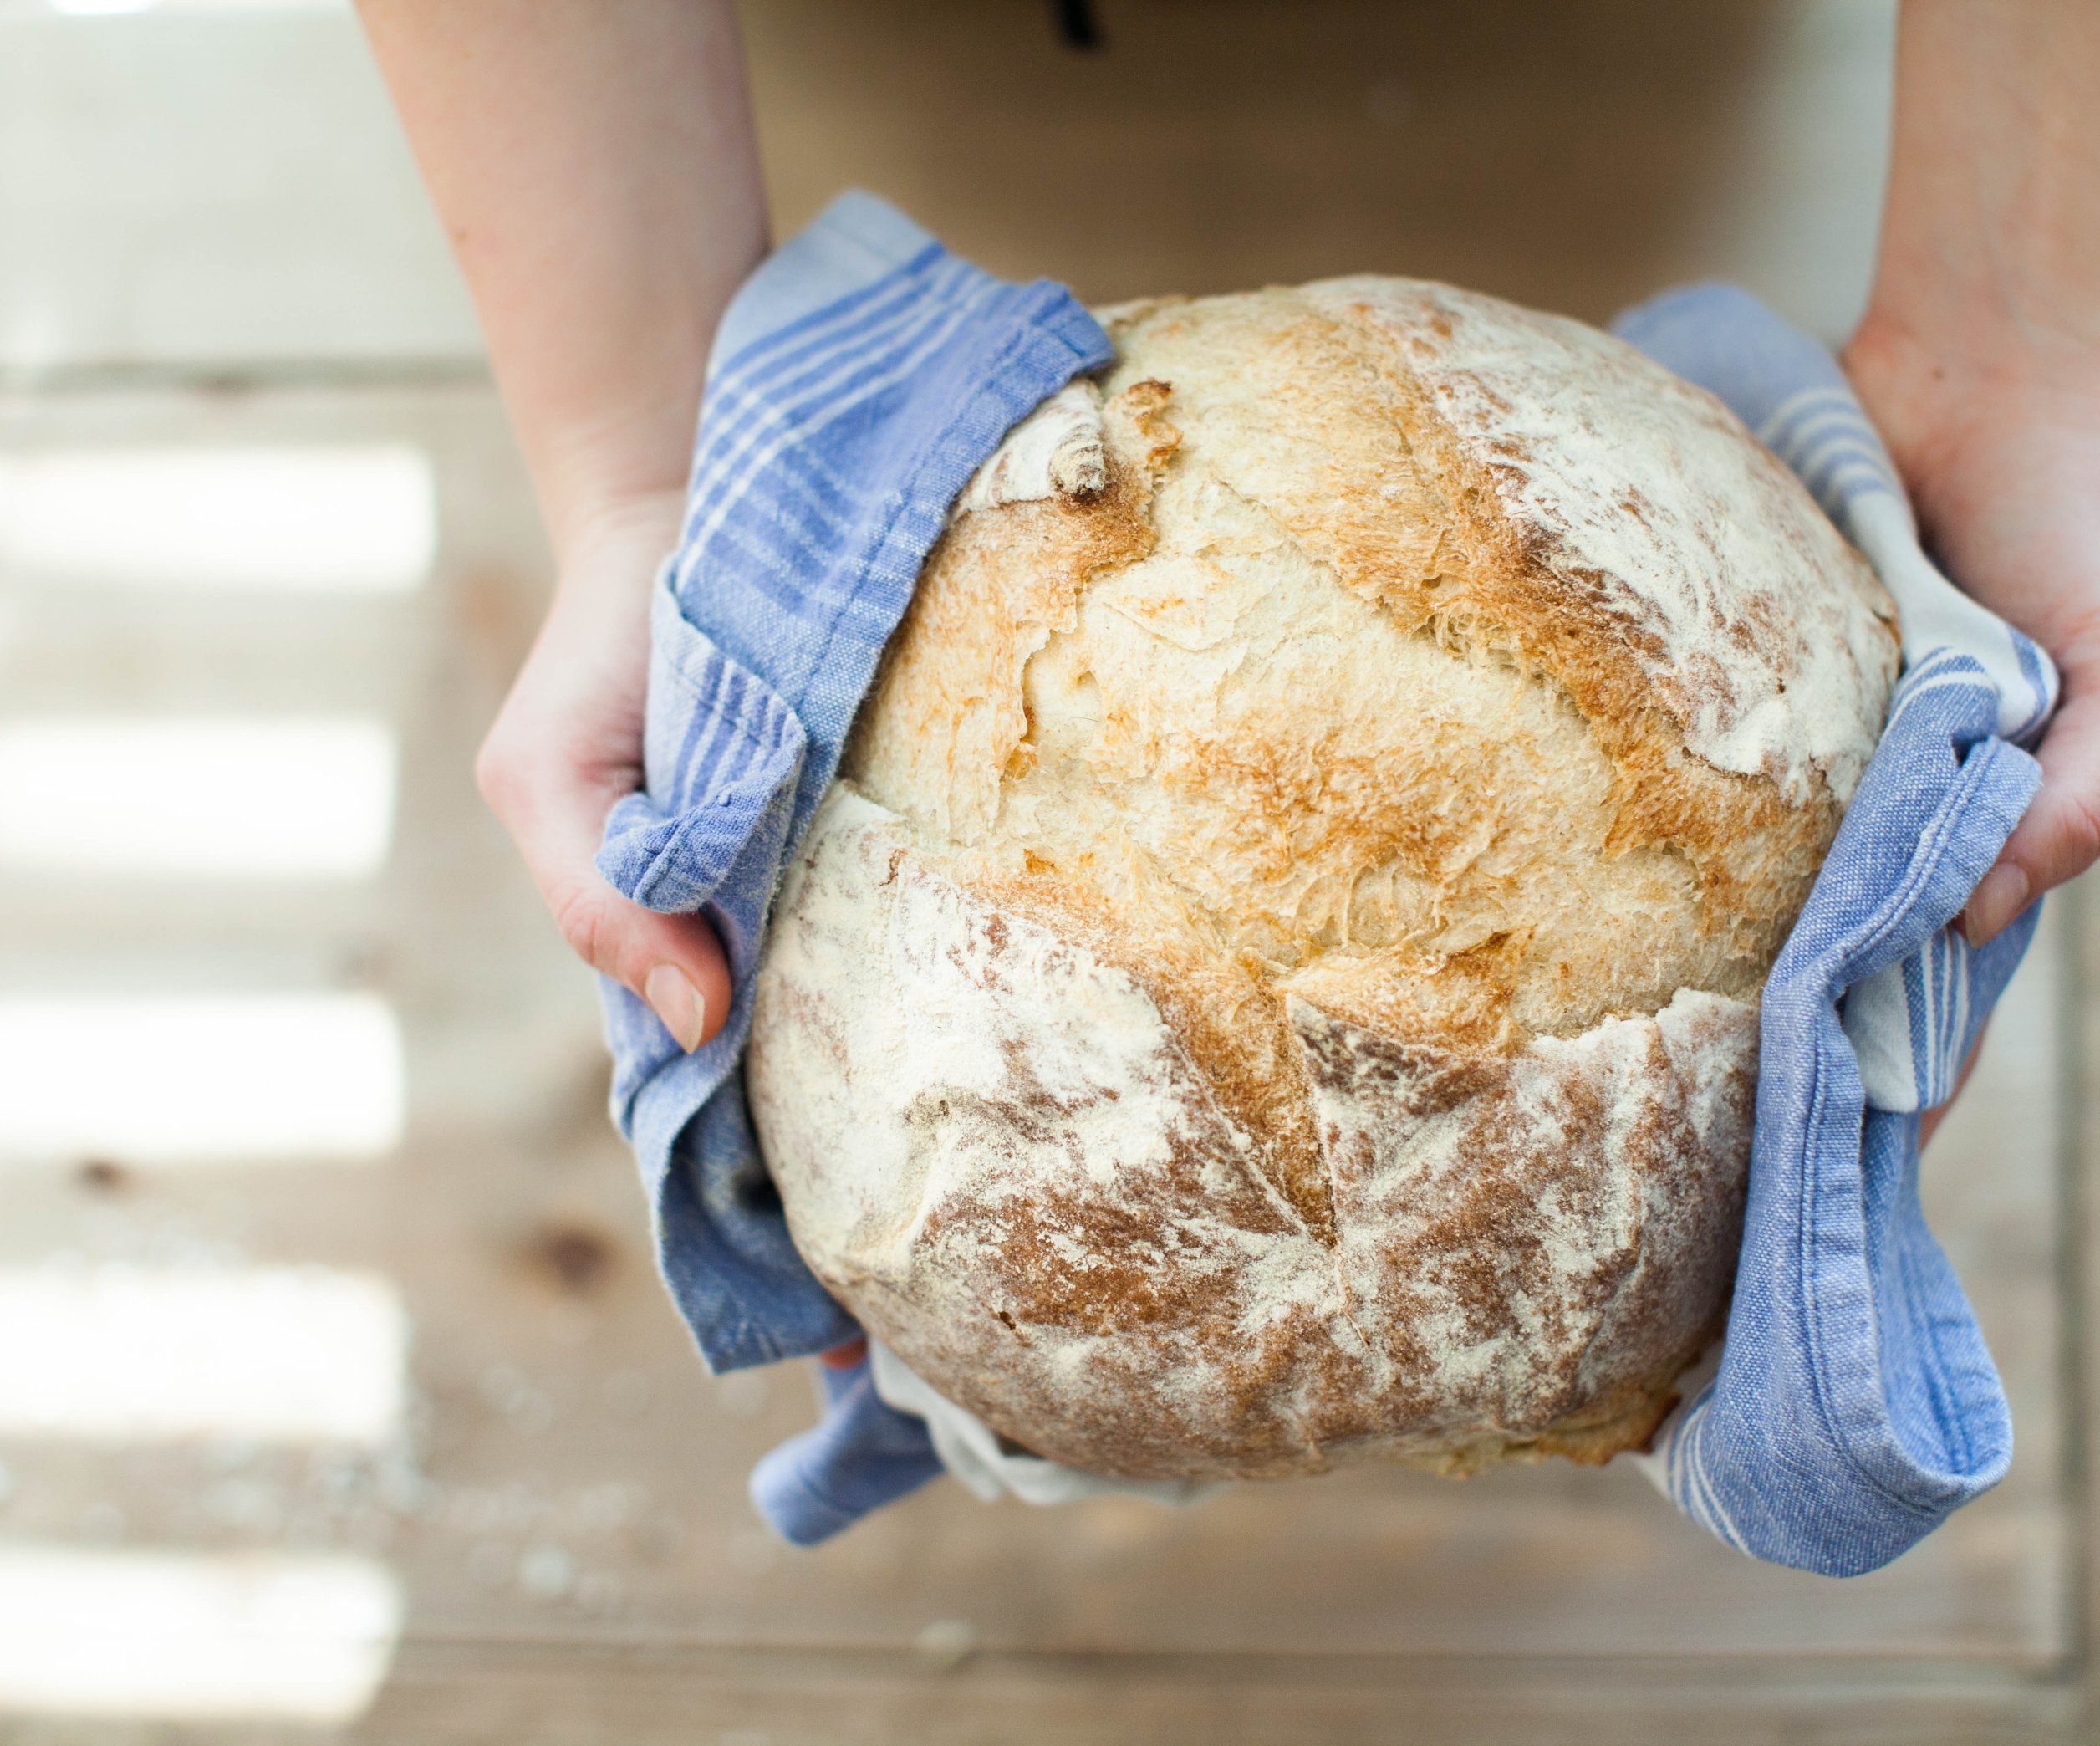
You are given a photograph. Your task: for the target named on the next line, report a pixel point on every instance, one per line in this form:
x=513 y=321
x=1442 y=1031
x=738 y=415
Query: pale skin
x=594 y=166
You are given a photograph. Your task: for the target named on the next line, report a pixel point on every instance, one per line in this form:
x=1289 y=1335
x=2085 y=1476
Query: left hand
x=567 y=745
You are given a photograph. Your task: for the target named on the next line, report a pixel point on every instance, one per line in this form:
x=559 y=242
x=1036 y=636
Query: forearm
x=1989 y=258
x=1979 y=358
x=594 y=166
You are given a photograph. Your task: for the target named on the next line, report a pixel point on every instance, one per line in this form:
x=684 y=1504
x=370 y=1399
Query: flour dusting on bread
x=1275 y=984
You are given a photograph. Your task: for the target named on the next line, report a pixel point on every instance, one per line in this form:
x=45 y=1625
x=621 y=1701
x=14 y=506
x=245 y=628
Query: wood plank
x=567 y=1508
x=1575 y=158
x=533 y=1694
x=575 y=1478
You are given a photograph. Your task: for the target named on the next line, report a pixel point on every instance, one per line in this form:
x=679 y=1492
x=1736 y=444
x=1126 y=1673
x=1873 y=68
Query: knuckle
x=582 y=915
x=2065 y=837
x=497 y=769
x=2076 y=835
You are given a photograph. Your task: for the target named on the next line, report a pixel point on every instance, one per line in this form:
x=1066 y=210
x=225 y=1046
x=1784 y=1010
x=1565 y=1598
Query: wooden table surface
x=562 y=1505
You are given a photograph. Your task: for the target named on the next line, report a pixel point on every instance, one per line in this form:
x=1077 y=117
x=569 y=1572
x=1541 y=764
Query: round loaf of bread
x=1277 y=980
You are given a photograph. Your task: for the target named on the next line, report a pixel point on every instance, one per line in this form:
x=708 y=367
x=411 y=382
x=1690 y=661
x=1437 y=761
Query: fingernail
x=2001 y=896
x=675 y=1000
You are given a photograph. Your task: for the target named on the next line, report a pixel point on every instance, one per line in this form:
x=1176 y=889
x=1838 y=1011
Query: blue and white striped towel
x=1855 y=1406
x=859 y=378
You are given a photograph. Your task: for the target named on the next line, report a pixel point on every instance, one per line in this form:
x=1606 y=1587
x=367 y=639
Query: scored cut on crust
x=1276 y=981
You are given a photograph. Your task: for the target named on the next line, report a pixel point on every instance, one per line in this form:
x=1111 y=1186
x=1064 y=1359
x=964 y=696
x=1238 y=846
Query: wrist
x=597 y=483
x=616 y=528
x=1987 y=282
x=1934 y=379
x=1968 y=336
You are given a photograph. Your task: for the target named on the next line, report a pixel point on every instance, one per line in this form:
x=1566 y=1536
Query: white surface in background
x=231 y=185
x=115 y=1353
x=228 y=182
x=175 y=1079
x=193 y=1637
x=232 y=800
x=106 y=9
x=1795 y=214
x=291 y=519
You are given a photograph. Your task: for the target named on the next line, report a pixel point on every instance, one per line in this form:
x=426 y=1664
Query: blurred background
x=337 y=1398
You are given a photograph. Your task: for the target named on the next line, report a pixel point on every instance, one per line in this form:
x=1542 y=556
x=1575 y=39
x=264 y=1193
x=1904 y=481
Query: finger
x=673 y=962
x=2059 y=836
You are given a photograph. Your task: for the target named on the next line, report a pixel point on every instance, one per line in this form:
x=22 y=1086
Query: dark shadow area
x=1550 y=153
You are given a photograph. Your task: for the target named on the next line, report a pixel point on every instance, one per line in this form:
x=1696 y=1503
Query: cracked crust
x=1277 y=981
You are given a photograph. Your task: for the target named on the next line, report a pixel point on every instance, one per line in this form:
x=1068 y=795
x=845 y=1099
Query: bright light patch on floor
x=192 y=1636
x=228 y=799
x=104 y=8
x=292 y=519
x=120 y=1354
x=171 y=1079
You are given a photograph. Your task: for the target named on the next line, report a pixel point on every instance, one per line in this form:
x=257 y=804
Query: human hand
x=1996 y=433
x=1979 y=358
x=597 y=174
x=567 y=745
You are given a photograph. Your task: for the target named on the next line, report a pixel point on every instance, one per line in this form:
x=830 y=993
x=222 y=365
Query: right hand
x=1996 y=428
x=567 y=745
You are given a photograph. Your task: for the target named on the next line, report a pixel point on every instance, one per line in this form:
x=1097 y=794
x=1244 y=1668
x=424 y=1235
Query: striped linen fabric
x=1854 y=1406
x=860 y=377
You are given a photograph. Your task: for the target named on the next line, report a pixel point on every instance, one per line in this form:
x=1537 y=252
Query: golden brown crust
x=1028 y=1189
x=1344 y=795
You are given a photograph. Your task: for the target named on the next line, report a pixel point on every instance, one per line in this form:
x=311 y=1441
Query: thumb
x=674 y=963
